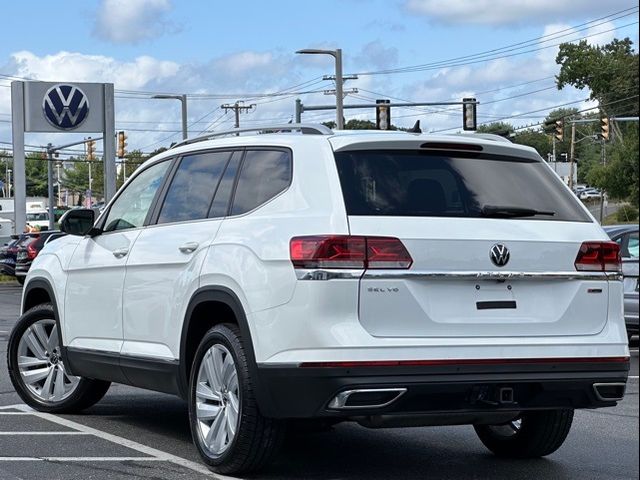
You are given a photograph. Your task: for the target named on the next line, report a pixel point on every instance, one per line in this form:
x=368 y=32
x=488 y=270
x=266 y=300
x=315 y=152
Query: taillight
x=31 y=252
x=343 y=251
x=599 y=257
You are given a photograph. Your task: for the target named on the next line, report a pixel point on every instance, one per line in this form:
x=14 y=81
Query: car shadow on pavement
x=349 y=451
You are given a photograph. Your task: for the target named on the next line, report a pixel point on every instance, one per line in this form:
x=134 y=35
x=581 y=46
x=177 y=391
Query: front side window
x=264 y=174
x=193 y=187
x=131 y=207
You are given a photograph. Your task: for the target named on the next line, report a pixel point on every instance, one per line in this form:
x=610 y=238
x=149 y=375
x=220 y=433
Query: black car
x=27 y=253
x=9 y=252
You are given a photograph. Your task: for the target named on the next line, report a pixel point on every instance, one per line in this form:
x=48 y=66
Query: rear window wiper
x=502 y=211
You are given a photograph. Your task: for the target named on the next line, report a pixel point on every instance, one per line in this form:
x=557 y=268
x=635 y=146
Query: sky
x=501 y=52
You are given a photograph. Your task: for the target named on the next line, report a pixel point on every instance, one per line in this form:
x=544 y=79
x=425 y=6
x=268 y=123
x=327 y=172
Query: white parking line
x=155 y=454
x=81 y=459
x=43 y=433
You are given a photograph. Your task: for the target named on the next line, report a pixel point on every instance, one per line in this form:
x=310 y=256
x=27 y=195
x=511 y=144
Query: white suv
x=391 y=279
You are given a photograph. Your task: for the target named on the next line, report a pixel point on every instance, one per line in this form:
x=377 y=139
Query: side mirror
x=78 y=222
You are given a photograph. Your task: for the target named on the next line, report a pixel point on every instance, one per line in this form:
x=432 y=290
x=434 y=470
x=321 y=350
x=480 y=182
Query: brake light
x=343 y=251
x=599 y=257
x=31 y=252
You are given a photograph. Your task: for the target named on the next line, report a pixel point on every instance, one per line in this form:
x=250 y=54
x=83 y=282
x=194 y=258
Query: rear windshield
x=444 y=184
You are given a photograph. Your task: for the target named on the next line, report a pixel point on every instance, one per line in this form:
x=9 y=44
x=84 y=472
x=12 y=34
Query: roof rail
x=304 y=128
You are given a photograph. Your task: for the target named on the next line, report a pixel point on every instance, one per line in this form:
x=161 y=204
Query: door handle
x=120 y=252
x=188 y=247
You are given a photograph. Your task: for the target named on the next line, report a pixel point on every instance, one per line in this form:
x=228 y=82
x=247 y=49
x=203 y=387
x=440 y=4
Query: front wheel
x=37 y=370
x=227 y=428
x=533 y=434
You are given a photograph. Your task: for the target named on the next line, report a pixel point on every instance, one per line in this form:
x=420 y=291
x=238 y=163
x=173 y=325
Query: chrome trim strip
x=336 y=274
x=339 y=402
x=461 y=275
x=340 y=274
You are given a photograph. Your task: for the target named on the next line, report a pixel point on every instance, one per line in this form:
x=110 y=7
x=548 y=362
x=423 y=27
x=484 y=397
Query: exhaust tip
x=609 y=392
x=366 y=398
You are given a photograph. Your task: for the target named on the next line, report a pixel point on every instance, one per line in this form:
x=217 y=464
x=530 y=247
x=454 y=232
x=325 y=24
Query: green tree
x=535 y=139
x=610 y=72
x=76 y=178
x=619 y=176
x=35 y=168
x=503 y=129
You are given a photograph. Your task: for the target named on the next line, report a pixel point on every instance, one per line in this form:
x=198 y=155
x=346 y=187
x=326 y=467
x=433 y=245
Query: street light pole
x=183 y=101
x=337 y=55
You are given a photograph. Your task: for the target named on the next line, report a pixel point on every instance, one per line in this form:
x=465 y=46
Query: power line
x=493 y=53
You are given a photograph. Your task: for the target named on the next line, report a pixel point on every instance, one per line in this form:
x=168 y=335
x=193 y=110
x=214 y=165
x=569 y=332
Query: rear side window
x=264 y=174
x=443 y=184
x=193 y=186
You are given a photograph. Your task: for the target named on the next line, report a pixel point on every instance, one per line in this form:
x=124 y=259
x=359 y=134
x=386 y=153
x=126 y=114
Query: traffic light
x=604 y=128
x=383 y=115
x=549 y=126
x=91 y=149
x=122 y=143
x=559 y=130
x=469 y=121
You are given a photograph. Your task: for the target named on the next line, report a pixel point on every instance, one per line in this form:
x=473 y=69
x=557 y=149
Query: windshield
x=447 y=184
x=32 y=217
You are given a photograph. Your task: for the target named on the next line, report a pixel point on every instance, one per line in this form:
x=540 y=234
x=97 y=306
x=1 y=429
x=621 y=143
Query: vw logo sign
x=499 y=255
x=65 y=106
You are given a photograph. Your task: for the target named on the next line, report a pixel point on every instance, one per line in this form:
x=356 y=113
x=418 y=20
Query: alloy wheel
x=217 y=398
x=40 y=363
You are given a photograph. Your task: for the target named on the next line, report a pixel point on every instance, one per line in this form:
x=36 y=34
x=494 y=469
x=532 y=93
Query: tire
x=21 y=280
x=37 y=370
x=221 y=394
x=533 y=434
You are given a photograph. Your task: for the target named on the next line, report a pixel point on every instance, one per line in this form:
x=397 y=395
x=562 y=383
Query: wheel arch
x=224 y=298
x=37 y=292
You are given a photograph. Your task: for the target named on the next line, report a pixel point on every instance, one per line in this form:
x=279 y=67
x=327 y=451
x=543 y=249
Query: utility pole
x=571 y=154
x=237 y=108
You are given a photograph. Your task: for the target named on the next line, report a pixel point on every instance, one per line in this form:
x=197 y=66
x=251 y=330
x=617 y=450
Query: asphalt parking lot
x=133 y=433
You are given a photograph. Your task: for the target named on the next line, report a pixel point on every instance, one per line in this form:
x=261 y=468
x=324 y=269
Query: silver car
x=627 y=237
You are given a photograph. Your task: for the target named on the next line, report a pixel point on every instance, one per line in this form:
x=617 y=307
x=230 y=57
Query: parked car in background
x=39 y=218
x=627 y=237
x=590 y=193
x=26 y=254
x=9 y=253
x=6 y=227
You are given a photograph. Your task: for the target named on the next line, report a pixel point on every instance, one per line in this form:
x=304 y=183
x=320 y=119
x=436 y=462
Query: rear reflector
x=343 y=251
x=599 y=257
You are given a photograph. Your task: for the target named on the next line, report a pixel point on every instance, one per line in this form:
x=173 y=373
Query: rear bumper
x=308 y=392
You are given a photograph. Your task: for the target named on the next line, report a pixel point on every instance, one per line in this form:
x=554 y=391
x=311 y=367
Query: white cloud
x=506 y=12
x=132 y=21
x=78 y=67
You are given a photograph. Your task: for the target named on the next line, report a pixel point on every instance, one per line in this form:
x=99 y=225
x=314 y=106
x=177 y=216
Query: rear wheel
x=227 y=427
x=20 y=280
x=533 y=434
x=37 y=370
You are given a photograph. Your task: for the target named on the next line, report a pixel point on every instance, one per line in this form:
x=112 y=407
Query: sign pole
x=52 y=219
x=109 y=143
x=19 y=177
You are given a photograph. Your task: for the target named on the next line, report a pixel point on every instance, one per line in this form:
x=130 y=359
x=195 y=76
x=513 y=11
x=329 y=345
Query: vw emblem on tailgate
x=65 y=106
x=499 y=255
